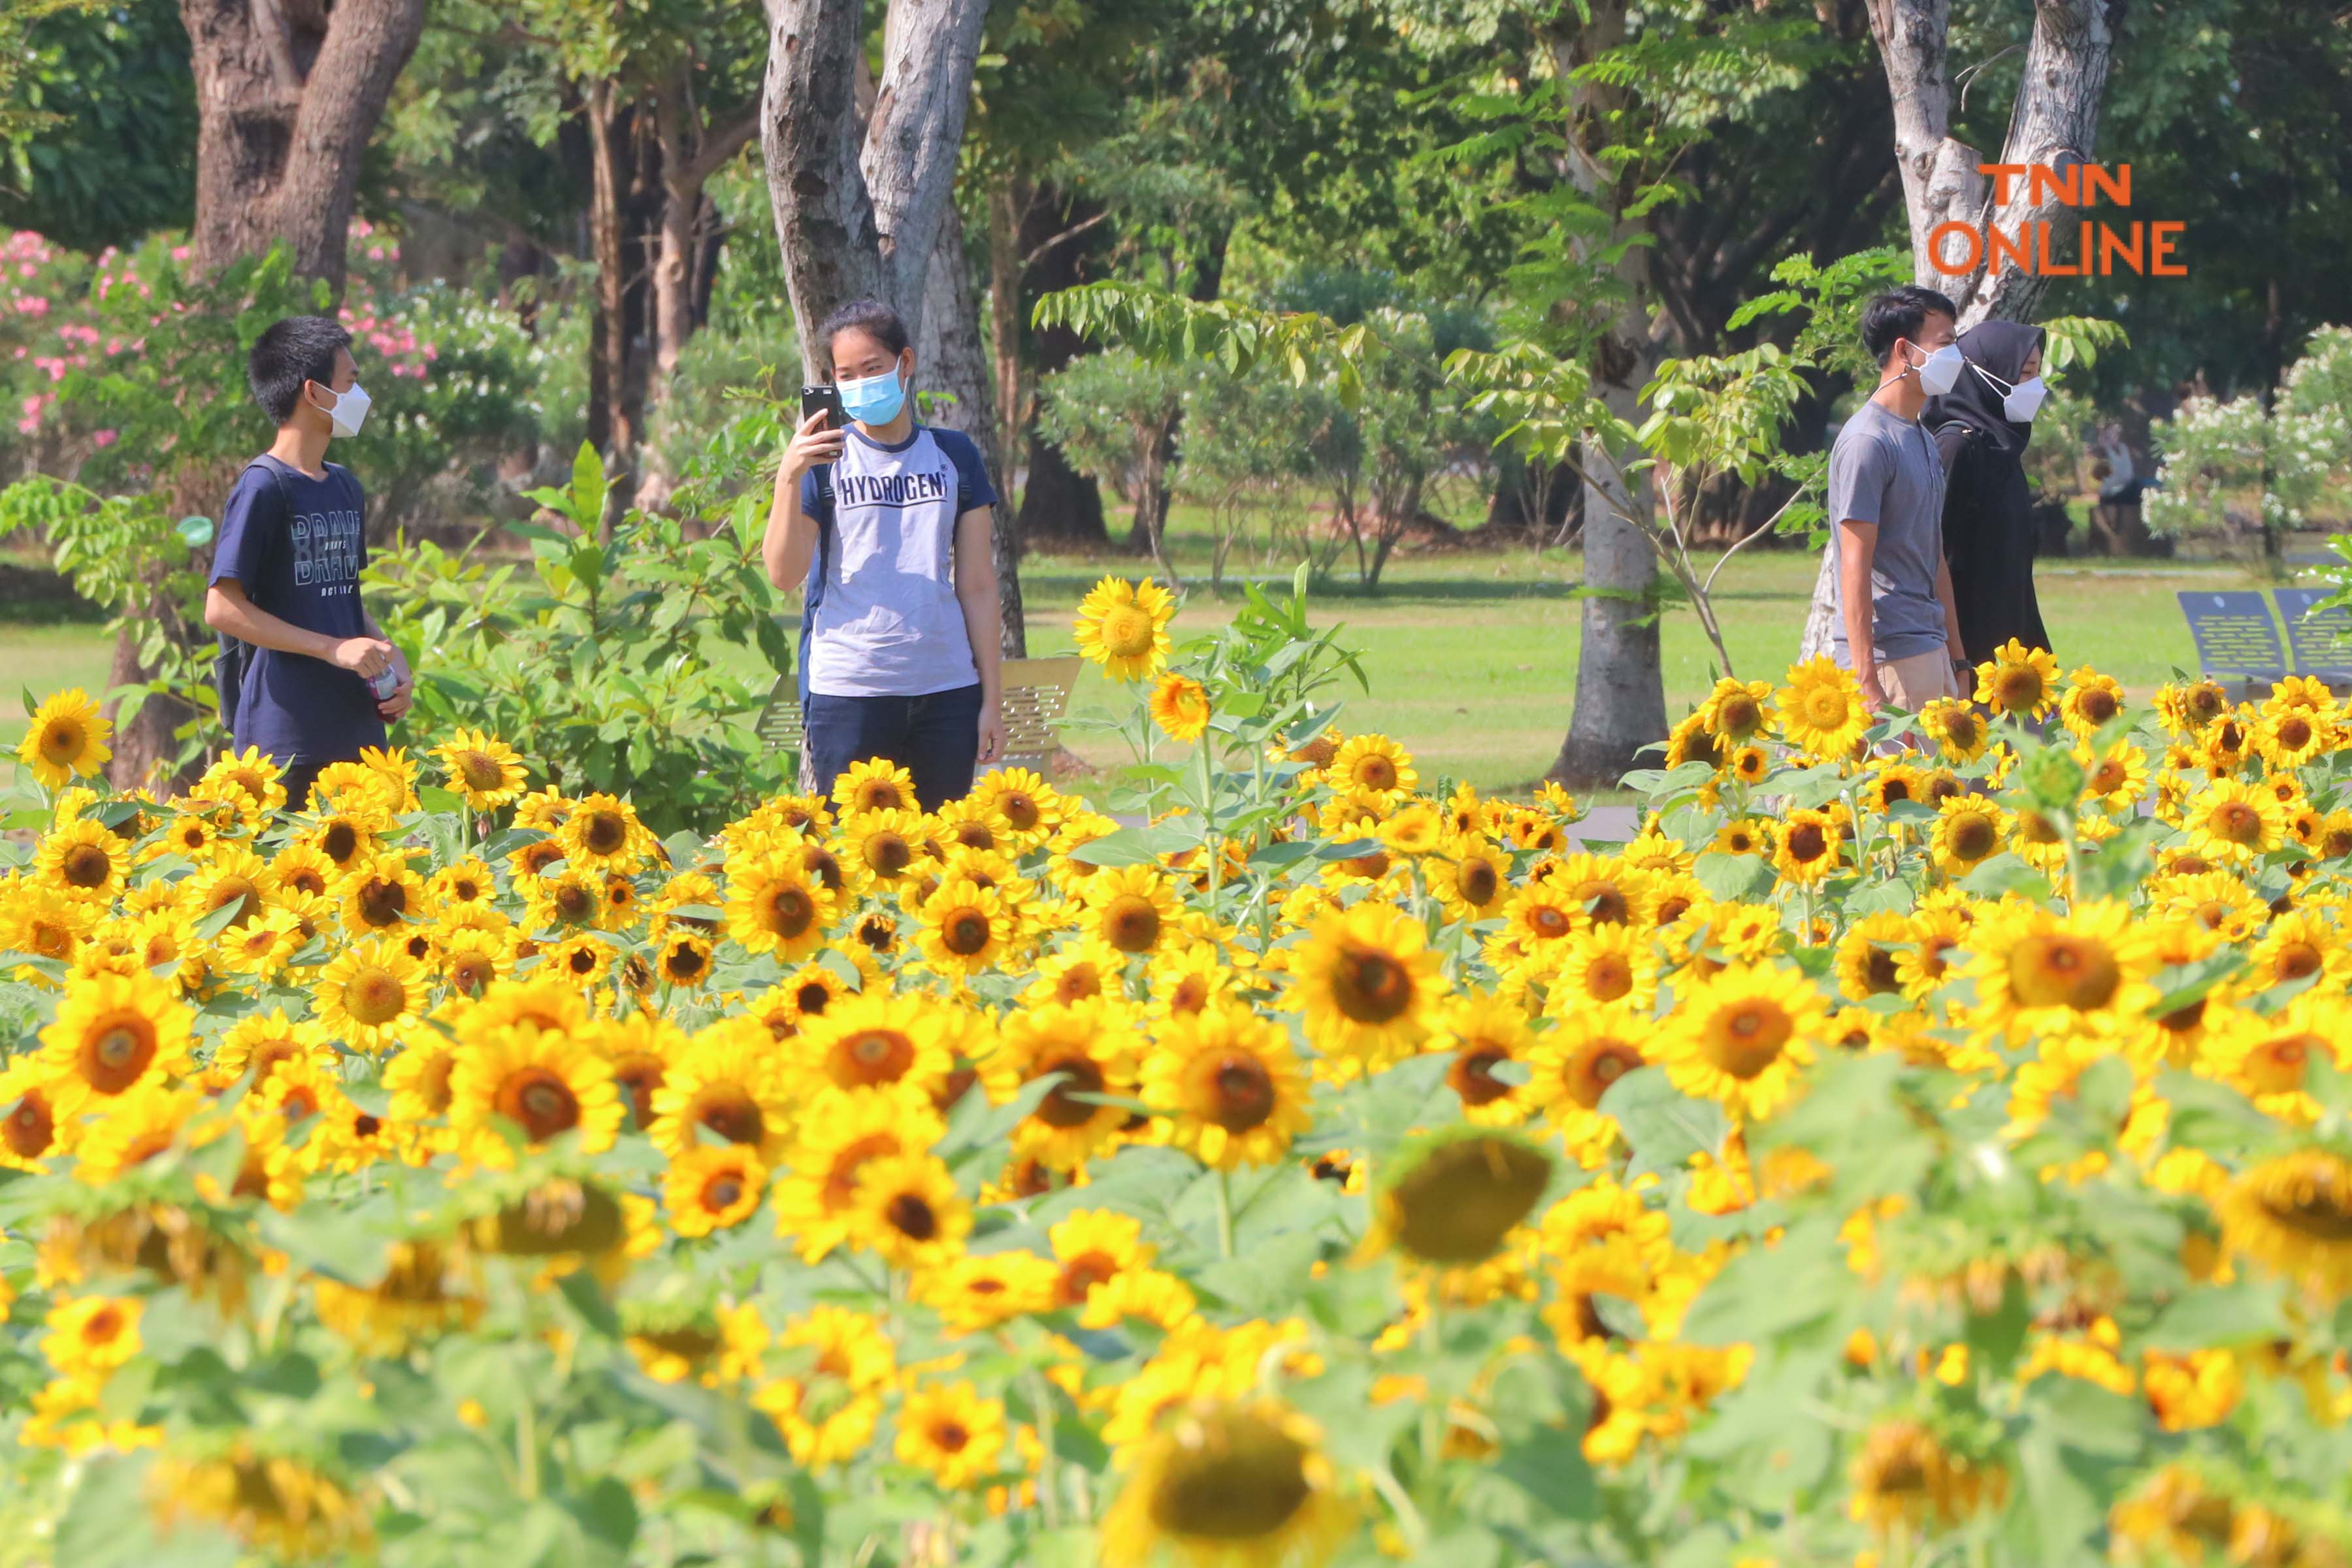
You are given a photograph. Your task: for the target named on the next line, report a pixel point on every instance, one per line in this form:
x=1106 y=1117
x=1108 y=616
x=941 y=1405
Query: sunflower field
x=1923 y=1144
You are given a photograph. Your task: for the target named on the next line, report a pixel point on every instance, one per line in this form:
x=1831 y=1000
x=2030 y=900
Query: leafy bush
x=609 y=662
x=2234 y=471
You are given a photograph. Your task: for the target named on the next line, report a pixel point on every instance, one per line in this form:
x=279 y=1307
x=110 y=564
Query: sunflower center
x=470 y=972
x=1371 y=987
x=732 y=1114
x=887 y=854
x=879 y=794
x=86 y=865
x=1739 y=718
x=63 y=740
x=1607 y=977
x=1825 y=708
x=685 y=962
x=480 y=772
x=1807 y=842
x=1019 y=809
x=383 y=902
x=1472 y=1076
x=29 y=1129
x=872 y=1056
x=2237 y=822
x=1127 y=632
x=1241 y=1093
x=911 y=1215
x=2108 y=777
x=1130 y=924
x=2059 y=970
x=1878 y=972
x=2098 y=705
x=950 y=1437
x=1548 y=921
x=339 y=842
x=1974 y=837
x=1238 y=1478
x=1604 y=1063
x=2018 y=688
x=606 y=833
x=2313 y=1205
x=574 y=902
x=540 y=1102
x=1374 y=773
x=2296 y=960
x=722 y=1192
x=879 y=932
x=1747 y=1036
x=375 y=998
x=965 y=932
x=1080 y=1076
x=1477 y=883
x=117 y=1052
x=1893 y=790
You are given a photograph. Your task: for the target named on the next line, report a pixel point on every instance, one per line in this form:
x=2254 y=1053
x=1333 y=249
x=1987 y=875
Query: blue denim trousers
x=935 y=737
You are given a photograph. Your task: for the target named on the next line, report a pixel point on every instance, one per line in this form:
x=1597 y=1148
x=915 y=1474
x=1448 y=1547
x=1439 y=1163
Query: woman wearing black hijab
x=1980 y=428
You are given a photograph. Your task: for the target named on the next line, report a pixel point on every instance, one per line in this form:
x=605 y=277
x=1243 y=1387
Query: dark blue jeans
x=935 y=737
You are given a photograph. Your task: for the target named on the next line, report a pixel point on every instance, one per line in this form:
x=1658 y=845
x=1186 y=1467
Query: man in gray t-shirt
x=1896 y=627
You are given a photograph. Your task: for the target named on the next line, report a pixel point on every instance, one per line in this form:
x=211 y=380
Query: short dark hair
x=1901 y=313
x=872 y=317
x=291 y=352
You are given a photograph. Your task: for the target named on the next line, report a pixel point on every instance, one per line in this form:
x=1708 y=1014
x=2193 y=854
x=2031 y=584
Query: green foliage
x=599 y=660
x=2237 y=472
x=100 y=119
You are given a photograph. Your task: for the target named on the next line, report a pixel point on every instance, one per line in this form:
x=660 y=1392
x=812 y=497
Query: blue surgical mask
x=874 y=399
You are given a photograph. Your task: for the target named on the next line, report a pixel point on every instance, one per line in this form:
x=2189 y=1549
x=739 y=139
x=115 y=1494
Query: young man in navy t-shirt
x=285 y=570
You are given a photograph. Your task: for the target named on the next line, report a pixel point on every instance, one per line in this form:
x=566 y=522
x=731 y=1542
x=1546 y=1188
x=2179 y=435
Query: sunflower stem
x=1224 y=1212
x=1049 y=1481
x=525 y=1440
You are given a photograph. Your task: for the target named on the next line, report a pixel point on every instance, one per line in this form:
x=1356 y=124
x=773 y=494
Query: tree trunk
x=1620 y=696
x=611 y=428
x=286 y=96
x=948 y=361
x=863 y=222
x=690 y=155
x=1008 y=199
x=2055 y=123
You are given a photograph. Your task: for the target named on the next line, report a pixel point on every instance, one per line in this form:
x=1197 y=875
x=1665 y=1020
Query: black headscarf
x=2003 y=348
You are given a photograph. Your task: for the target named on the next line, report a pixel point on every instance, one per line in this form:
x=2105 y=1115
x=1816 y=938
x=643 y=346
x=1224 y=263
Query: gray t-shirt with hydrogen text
x=887 y=622
x=1883 y=471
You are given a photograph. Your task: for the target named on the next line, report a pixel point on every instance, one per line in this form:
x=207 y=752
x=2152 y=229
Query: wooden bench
x=1036 y=695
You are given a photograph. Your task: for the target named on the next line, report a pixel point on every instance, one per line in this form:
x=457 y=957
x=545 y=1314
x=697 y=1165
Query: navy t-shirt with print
x=296 y=544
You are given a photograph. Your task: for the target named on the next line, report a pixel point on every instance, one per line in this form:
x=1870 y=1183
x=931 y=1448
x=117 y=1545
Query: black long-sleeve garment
x=1989 y=527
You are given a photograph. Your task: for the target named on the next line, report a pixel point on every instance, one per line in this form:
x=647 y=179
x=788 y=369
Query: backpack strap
x=232 y=657
x=820 y=568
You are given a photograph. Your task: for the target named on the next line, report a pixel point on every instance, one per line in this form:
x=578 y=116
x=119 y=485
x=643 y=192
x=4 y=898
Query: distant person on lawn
x=1896 y=628
x=285 y=585
x=887 y=528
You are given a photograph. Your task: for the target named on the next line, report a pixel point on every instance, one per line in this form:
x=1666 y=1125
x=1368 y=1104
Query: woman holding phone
x=885 y=524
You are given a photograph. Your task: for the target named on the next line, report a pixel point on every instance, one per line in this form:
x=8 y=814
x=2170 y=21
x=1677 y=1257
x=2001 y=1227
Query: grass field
x=1472 y=657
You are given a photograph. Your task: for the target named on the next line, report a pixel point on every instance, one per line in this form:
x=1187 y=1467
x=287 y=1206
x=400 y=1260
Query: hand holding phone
x=818 y=438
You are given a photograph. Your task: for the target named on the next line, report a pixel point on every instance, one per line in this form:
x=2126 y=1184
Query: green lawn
x=1472 y=657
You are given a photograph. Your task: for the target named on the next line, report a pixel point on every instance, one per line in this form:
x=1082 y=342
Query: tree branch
x=1038 y=252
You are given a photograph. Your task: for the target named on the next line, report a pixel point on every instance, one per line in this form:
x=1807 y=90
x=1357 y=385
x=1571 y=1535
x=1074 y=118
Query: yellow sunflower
x=249 y=780
x=1180 y=706
x=1123 y=627
x=1470 y=876
x=1741 y=1036
x=371 y=993
x=1572 y=1065
x=774 y=907
x=2092 y=700
x=1092 y=1045
x=909 y=1211
x=85 y=858
x=1129 y=908
x=380 y=893
x=2292 y=1214
x=1969 y=830
x=1226 y=1485
x=966 y=928
x=2231 y=823
x=1819 y=712
x=603 y=834
x=1372 y=765
x=712 y=1187
x=727 y=1083
x=1806 y=846
x=1228 y=1086
x=878 y=1041
x=483 y=769
x=2018 y=680
x=950 y=1431
x=1482 y=1033
x=65 y=738
x=28 y=1119
x=535 y=1081
x=1736 y=710
x=2037 y=970
x=1603 y=964
x=1022 y=805
x=1366 y=982
x=842 y=1361
x=881 y=849
x=112 y=1032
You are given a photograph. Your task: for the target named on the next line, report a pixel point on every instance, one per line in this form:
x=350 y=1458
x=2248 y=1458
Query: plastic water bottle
x=385 y=684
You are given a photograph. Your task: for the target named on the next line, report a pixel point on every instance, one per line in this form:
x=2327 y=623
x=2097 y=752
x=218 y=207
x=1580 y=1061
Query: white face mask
x=2019 y=404
x=1940 y=371
x=349 y=410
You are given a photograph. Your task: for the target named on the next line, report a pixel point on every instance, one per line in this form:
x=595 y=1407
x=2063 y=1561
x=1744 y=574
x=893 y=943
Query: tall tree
x=2053 y=122
x=287 y=93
